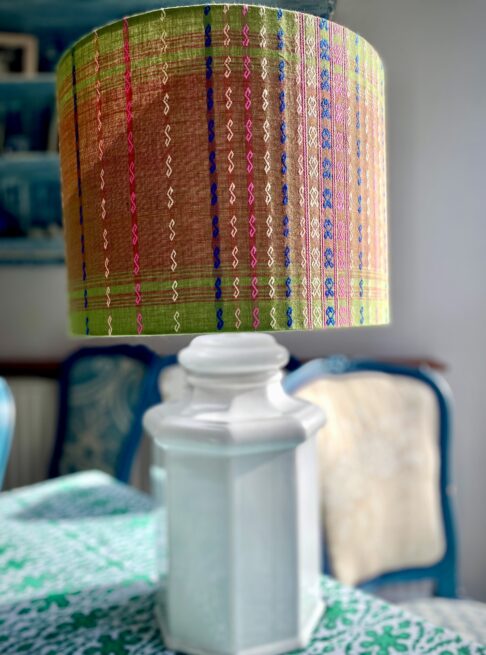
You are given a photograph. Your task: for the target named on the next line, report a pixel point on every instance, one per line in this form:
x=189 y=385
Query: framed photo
x=19 y=53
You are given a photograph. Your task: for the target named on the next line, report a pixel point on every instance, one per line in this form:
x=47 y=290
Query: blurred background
x=434 y=53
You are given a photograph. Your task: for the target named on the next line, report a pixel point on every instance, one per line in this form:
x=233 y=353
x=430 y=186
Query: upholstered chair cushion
x=379 y=473
x=103 y=403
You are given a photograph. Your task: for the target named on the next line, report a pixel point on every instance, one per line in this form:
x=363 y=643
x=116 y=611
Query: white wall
x=435 y=54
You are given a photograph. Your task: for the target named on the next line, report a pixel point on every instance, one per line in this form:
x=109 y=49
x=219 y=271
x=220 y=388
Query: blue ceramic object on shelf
x=30 y=191
x=30 y=209
x=27 y=113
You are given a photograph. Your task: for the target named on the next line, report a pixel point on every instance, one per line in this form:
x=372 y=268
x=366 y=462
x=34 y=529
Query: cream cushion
x=379 y=473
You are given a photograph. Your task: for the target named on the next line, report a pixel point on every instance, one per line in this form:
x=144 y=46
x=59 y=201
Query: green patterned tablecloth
x=77 y=575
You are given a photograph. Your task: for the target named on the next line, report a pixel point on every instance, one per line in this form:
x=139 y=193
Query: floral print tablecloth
x=77 y=576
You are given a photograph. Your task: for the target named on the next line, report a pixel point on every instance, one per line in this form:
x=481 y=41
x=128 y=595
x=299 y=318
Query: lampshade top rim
x=79 y=42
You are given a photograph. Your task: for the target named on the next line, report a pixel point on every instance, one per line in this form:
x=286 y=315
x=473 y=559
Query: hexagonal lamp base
x=238 y=536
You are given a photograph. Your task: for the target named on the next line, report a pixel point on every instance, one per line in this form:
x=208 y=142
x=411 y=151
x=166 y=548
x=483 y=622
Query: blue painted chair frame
x=7 y=424
x=443 y=572
x=149 y=395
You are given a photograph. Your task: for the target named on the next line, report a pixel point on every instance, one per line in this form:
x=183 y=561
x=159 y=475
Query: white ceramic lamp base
x=236 y=476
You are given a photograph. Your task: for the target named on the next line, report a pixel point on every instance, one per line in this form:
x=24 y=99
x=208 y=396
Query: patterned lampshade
x=223 y=169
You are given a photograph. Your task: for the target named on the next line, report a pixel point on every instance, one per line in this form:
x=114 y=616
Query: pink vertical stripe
x=375 y=208
x=131 y=174
x=347 y=168
x=334 y=172
x=320 y=155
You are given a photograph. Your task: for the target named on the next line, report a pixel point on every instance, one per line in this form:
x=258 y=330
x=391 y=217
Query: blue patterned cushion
x=103 y=406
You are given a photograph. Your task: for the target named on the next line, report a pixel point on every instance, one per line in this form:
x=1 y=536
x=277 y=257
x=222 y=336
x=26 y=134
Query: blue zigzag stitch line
x=217 y=284
x=215 y=227
x=217 y=260
x=325 y=109
x=325 y=84
x=329 y=287
x=214 y=191
x=326 y=139
x=329 y=258
x=283 y=139
x=287 y=258
x=288 y=284
x=328 y=229
x=209 y=98
x=289 y=317
x=212 y=162
x=285 y=194
x=209 y=70
x=327 y=171
x=327 y=199
x=213 y=186
x=330 y=314
x=211 y=133
x=219 y=316
x=286 y=232
x=207 y=31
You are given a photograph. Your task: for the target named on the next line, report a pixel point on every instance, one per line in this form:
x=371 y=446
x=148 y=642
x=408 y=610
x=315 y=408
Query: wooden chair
x=359 y=418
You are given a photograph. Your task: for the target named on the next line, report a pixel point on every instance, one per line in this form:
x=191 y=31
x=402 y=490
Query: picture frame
x=19 y=54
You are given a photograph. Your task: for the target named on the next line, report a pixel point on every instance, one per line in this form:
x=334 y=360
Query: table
x=77 y=576
x=467 y=617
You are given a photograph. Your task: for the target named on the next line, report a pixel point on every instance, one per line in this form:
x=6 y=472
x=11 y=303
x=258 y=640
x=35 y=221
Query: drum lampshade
x=223 y=169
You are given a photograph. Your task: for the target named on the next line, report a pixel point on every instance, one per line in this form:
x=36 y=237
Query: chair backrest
x=7 y=423
x=104 y=392
x=384 y=471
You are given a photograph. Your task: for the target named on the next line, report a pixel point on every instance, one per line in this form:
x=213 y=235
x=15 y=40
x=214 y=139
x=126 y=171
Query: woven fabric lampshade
x=223 y=169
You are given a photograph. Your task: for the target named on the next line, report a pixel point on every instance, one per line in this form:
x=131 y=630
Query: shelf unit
x=30 y=207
